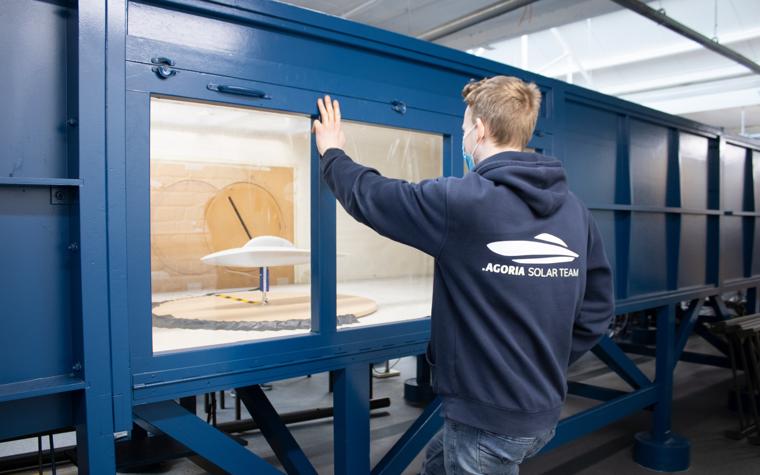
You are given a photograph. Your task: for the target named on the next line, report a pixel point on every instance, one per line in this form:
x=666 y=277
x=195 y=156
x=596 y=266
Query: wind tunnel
x=166 y=233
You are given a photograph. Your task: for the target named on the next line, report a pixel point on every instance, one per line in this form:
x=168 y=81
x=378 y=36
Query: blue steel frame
x=661 y=450
x=119 y=381
x=72 y=386
x=161 y=376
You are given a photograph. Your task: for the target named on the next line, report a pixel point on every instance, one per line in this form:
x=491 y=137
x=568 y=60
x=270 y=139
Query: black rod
x=240 y=218
x=662 y=19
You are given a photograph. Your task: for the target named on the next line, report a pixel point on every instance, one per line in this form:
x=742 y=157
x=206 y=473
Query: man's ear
x=482 y=129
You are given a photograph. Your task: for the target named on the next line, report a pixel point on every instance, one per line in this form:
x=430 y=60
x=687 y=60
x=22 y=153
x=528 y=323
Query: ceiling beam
x=471 y=19
x=662 y=19
x=542 y=16
x=713 y=95
x=358 y=9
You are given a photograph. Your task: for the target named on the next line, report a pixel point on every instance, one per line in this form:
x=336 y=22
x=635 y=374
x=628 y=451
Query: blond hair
x=507 y=105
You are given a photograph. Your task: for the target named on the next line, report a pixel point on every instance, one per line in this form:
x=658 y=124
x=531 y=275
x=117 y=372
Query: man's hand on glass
x=328 y=129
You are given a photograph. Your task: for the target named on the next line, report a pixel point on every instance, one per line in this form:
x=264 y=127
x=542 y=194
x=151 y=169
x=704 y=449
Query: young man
x=522 y=286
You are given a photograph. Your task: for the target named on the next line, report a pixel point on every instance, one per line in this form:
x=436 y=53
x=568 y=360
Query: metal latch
x=163 y=67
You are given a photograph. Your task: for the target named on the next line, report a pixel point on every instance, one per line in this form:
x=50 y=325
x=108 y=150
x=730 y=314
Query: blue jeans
x=460 y=449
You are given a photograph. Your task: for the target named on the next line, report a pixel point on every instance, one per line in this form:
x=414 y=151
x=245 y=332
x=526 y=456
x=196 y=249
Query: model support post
x=661 y=449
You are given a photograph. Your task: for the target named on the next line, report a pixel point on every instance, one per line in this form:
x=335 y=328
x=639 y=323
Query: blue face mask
x=468 y=159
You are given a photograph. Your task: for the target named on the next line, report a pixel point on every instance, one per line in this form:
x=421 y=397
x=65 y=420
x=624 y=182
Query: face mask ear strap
x=474 y=126
x=477 y=144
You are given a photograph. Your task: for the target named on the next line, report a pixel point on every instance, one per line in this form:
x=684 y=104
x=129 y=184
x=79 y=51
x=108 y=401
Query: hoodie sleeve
x=410 y=213
x=598 y=305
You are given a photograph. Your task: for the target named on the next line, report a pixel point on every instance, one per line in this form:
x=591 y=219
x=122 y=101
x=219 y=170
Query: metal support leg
x=734 y=347
x=749 y=377
x=282 y=442
x=351 y=422
x=213 y=408
x=331 y=382
x=661 y=449
x=418 y=391
x=190 y=403
x=752 y=300
x=52 y=454
x=209 y=406
x=94 y=428
x=754 y=388
x=39 y=453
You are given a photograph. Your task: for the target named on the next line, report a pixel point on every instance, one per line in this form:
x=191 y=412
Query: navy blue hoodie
x=522 y=286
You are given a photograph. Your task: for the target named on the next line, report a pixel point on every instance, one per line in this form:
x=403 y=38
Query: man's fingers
x=330 y=111
x=316 y=126
x=322 y=111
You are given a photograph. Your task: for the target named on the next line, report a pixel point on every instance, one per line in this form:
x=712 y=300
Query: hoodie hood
x=539 y=180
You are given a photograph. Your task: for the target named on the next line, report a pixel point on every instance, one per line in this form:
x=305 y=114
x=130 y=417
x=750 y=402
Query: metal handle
x=238 y=90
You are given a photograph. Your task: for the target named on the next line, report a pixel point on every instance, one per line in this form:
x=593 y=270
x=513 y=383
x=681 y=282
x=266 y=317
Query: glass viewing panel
x=230 y=223
x=380 y=280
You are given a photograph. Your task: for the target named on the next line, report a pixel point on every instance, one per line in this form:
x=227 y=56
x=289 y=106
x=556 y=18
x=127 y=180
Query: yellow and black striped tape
x=237 y=299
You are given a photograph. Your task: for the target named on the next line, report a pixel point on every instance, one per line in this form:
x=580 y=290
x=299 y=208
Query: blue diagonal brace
x=593 y=392
x=688 y=322
x=611 y=354
x=602 y=415
x=721 y=311
x=412 y=442
x=710 y=338
x=218 y=448
x=274 y=430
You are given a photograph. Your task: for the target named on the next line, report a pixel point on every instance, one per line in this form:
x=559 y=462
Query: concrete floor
x=699 y=413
